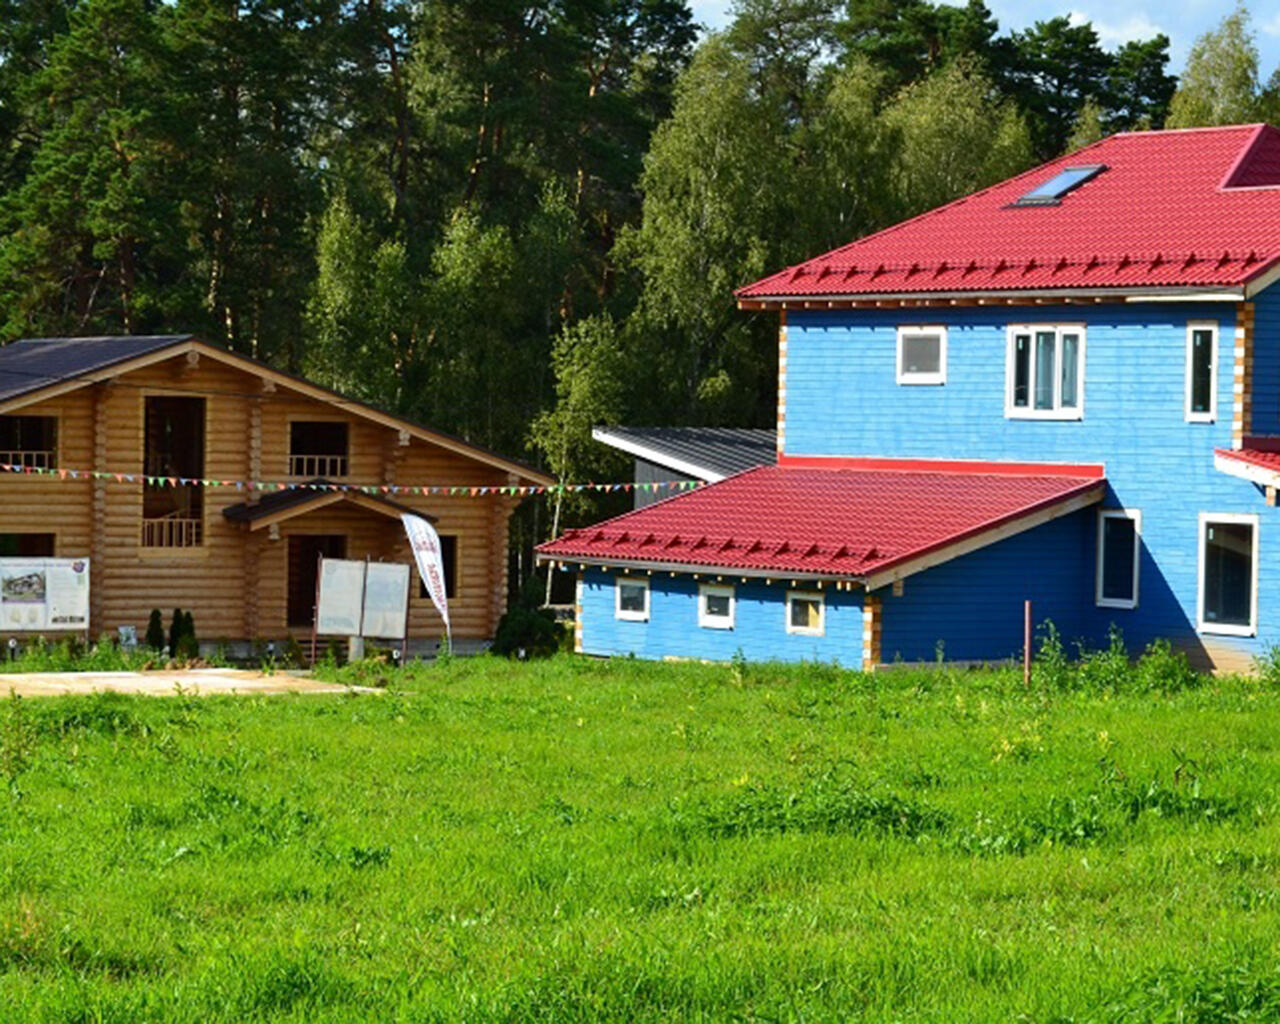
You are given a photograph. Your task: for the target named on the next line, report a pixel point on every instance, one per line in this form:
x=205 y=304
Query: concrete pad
x=202 y=682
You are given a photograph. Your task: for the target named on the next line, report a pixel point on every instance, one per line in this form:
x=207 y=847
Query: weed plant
x=578 y=840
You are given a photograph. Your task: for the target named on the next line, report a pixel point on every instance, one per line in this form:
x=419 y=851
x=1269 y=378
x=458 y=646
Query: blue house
x=1064 y=389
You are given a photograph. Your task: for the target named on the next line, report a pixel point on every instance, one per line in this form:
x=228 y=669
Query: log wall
x=235 y=583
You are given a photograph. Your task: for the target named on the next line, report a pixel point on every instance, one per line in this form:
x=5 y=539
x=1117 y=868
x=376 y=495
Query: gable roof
x=701 y=453
x=32 y=369
x=277 y=506
x=867 y=524
x=33 y=364
x=1172 y=211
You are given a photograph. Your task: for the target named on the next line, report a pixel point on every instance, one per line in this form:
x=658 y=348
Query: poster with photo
x=38 y=594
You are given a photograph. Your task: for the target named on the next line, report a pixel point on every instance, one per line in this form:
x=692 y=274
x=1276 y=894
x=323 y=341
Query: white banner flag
x=426 y=552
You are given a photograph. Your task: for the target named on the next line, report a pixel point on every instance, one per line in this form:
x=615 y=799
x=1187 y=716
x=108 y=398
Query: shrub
x=175 y=632
x=1107 y=669
x=1052 y=668
x=531 y=630
x=1267 y=665
x=1161 y=669
x=155 y=631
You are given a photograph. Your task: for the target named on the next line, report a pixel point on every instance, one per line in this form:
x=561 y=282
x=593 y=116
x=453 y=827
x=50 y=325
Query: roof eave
x=1011 y=297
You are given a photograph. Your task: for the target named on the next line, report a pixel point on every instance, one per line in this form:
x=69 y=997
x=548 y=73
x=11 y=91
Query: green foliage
x=1220 y=83
x=953 y=136
x=155 y=638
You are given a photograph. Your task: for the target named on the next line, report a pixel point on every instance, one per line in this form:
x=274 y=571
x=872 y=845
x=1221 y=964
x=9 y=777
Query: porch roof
x=278 y=506
x=866 y=520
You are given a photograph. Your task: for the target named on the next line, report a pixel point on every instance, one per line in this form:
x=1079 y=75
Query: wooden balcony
x=318 y=465
x=30 y=459
x=172 y=531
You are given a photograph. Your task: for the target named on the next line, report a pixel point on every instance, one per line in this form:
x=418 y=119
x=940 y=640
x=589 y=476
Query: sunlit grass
x=583 y=840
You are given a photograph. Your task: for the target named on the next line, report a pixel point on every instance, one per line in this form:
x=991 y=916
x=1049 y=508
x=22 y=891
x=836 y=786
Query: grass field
x=579 y=841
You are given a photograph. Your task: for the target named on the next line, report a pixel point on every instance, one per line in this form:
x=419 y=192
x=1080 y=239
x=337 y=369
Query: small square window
x=1119 y=548
x=715 y=607
x=922 y=355
x=805 y=613
x=632 y=597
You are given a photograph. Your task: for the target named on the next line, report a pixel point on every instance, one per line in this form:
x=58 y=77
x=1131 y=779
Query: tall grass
x=578 y=840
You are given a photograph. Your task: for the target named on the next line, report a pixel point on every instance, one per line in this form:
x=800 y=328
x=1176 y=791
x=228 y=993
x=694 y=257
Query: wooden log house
x=241 y=558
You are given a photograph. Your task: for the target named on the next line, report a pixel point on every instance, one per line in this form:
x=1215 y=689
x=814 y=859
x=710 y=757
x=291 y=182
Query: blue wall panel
x=974 y=604
x=842 y=399
x=759 y=630
x=1266 y=362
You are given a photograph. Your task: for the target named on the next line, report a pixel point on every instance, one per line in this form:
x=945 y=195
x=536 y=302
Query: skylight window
x=1051 y=192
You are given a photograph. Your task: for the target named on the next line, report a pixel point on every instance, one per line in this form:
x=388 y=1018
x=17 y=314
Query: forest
x=514 y=219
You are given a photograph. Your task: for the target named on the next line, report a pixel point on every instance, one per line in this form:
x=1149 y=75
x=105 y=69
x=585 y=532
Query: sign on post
x=363 y=599
x=44 y=594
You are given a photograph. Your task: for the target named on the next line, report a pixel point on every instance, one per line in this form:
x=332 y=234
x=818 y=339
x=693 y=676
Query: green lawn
x=580 y=840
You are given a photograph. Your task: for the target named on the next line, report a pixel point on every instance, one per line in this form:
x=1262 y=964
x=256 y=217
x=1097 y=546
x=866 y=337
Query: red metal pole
x=1026 y=643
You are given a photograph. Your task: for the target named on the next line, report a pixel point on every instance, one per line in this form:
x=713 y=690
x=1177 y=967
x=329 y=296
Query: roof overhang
x=1030 y=297
x=263 y=516
x=655 y=455
x=1238 y=465
x=298 y=385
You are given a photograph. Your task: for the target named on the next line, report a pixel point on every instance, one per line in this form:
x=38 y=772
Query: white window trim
x=807 y=595
x=905 y=377
x=1118 y=513
x=1212 y=414
x=1217 y=627
x=706 y=621
x=1011 y=411
x=618 y=611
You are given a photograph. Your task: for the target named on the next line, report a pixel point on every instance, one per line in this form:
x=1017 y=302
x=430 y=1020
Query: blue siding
x=1266 y=362
x=974 y=604
x=842 y=400
x=760 y=624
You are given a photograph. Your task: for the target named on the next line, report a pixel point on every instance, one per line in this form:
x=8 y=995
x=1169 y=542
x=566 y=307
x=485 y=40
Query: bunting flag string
x=443 y=490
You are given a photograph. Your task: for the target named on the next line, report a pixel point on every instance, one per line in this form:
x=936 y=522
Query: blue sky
x=1116 y=22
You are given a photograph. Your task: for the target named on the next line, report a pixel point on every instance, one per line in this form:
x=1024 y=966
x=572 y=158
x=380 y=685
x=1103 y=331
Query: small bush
x=1052 y=668
x=531 y=630
x=155 y=631
x=1107 y=669
x=1161 y=669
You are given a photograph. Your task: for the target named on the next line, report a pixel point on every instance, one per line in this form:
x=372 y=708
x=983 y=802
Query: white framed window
x=631 y=599
x=1227 y=601
x=716 y=606
x=1044 y=372
x=1201 y=402
x=806 y=612
x=1119 y=551
x=922 y=355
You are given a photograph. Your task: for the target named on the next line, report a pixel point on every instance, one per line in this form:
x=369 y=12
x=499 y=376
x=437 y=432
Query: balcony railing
x=318 y=465
x=30 y=459
x=171 y=531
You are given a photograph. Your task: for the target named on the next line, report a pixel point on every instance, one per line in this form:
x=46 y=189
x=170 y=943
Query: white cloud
x=1116 y=33
x=1272 y=27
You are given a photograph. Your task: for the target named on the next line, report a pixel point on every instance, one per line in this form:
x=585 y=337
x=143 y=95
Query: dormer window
x=29 y=441
x=1069 y=179
x=318 y=448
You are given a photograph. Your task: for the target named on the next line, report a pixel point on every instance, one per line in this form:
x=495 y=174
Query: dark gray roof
x=34 y=363
x=706 y=452
x=302 y=496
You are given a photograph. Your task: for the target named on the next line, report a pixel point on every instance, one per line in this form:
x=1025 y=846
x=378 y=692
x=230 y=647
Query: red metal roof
x=847 y=523
x=1194 y=207
x=1268 y=460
